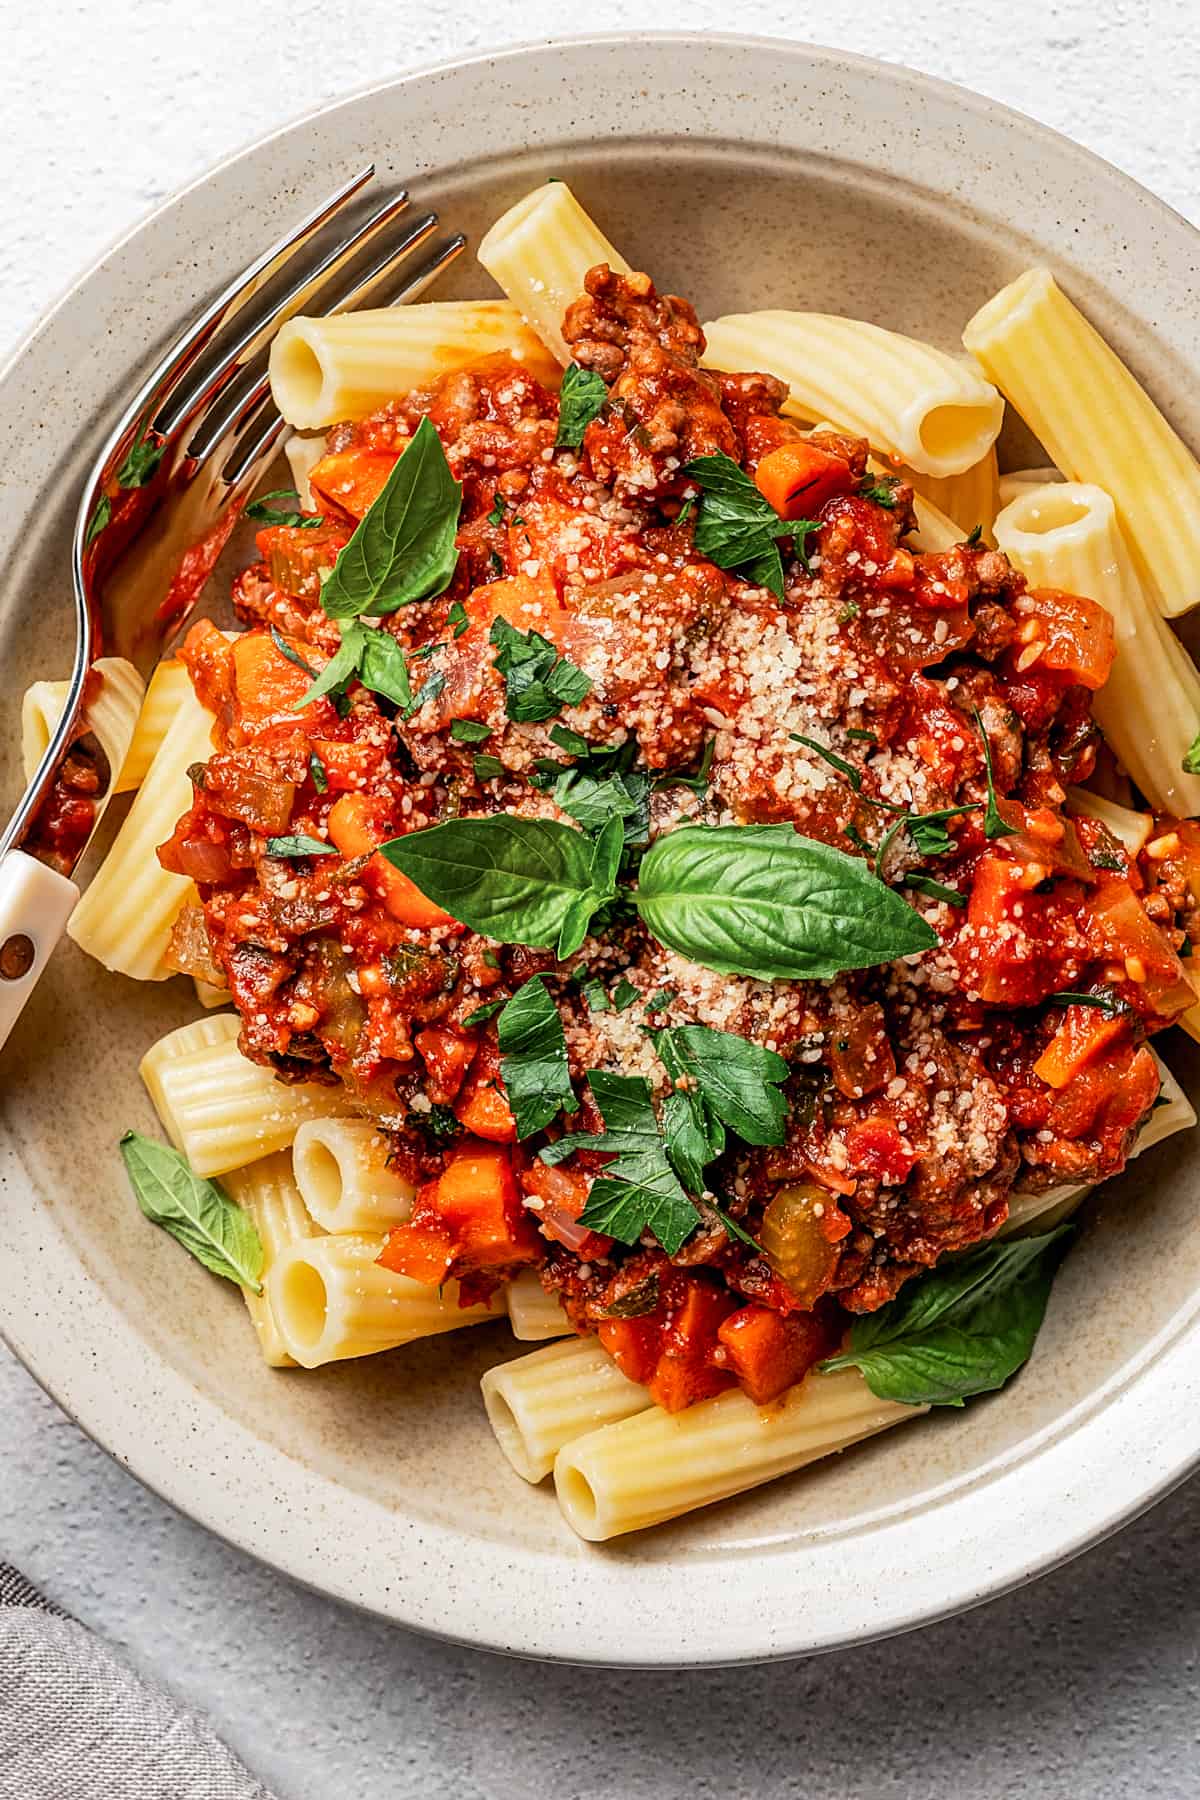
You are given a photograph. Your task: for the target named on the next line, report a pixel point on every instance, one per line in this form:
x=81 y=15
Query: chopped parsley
x=538 y=681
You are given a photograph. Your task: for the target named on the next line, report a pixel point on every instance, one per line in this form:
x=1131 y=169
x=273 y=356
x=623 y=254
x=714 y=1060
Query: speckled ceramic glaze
x=744 y=174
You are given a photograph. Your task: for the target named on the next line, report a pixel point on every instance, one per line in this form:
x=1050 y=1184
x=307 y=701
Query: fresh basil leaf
x=736 y=527
x=533 y=1061
x=382 y=666
x=962 y=1329
x=929 y=835
x=639 y=1190
x=99 y=519
x=761 y=900
x=271 y=515
x=624 y=995
x=293 y=656
x=580 y=400
x=433 y=688
x=299 y=844
x=597 y=1000
x=403 y=548
x=538 y=681
x=469 y=731
x=317 y=773
x=573 y=742
x=513 y=879
x=197 y=1213
x=341 y=668
x=457 y=618
x=1191 y=759
x=487 y=768
x=139 y=466
x=936 y=890
x=482 y=1013
x=737 y=1078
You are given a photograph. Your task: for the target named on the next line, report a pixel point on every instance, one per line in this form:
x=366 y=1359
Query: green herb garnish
x=403 y=548
x=580 y=400
x=197 y=1213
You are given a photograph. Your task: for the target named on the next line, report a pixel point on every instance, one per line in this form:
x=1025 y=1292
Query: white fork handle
x=35 y=904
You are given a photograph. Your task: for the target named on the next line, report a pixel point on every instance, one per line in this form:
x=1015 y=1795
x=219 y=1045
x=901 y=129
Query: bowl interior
x=734 y=226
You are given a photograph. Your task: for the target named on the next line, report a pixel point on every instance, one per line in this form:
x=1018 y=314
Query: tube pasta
x=1056 y=1204
x=342 y=1174
x=170 y=689
x=111 y=716
x=332 y=1300
x=1018 y=479
x=540 y=1402
x=933 y=530
x=907 y=399
x=1098 y=424
x=223 y=1111
x=200 y=1034
x=539 y=252
x=657 y=1464
x=1132 y=829
x=533 y=1314
x=267 y=1192
x=345 y=367
x=208 y=995
x=1067 y=536
x=125 y=917
x=303 y=454
x=969 y=499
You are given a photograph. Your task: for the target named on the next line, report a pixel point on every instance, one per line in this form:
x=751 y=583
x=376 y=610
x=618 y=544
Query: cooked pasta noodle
x=539 y=252
x=1131 y=829
x=657 y=1464
x=1098 y=424
x=332 y=1300
x=1067 y=536
x=125 y=917
x=931 y=410
x=342 y=1173
x=170 y=688
x=200 y=1034
x=542 y=1401
x=1018 y=479
x=303 y=454
x=267 y=1193
x=223 y=1110
x=111 y=716
x=323 y=370
x=970 y=499
x=533 y=1314
x=208 y=995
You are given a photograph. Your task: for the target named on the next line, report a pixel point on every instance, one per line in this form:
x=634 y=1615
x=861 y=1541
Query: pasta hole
x=304 y=1301
x=578 y=1497
x=319 y=1174
x=946 y=429
x=1048 y=509
x=297 y=367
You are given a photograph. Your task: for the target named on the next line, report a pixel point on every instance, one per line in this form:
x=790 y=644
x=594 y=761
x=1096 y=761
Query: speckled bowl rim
x=1021 y=1514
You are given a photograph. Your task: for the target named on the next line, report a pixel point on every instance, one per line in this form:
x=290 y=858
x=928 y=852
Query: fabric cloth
x=76 y=1723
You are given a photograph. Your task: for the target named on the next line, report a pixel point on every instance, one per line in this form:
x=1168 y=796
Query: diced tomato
x=799 y=477
x=482 y=1105
x=352 y=479
x=354 y=828
x=874 y=1147
x=1076 y=635
x=1022 y=945
x=447 y=1055
x=1106 y=1099
x=769 y=1353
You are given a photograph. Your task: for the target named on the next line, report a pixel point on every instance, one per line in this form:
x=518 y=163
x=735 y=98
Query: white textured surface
x=1083 y=1685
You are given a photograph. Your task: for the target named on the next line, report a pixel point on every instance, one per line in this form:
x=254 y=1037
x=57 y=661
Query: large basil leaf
x=517 y=880
x=196 y=1212
x=639 y=1190
x=403 y=548
x=761 y=900
x=533 y=1063
x=962 y=1329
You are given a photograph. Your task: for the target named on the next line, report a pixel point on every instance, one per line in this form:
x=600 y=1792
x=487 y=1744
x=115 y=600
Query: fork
x=164 y=495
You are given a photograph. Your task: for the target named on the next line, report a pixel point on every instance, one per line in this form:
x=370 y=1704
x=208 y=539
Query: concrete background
x=1083 y=1685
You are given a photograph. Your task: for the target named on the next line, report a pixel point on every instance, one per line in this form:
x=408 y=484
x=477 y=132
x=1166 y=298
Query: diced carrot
x=686 y=1372
x=447 y=1055
x=207 y=655
x=529 y=605
x=353 y=829
x=635 y=1345
x=351 y=479
x=798 y=478
x=266 y=682
x=423 y=1252
x=768 y=1353
x=349 y=767
x=478 y=1197
x=482 y=1105
x=1084 y=1034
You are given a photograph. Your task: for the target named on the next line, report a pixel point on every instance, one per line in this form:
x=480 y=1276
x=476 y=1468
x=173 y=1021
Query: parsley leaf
x=624 y=995
x=487 y=768
x=737 y=1080
x=457 y=618
x=271 y=515
x=293 y=655
x=432 y=690
x=297 y=843
x=1191 y=759
x=580 y=400
x=469 y=731
x=881 y=489
x=197 y=1213
x=993 y=819
x=533 y=1061
x=936 y=890
x=484 y=1012
x=638 y=1191
x=1105 y=1001
x=404 y=546
x=538 y=681
x=736 y=527
x=496 y=516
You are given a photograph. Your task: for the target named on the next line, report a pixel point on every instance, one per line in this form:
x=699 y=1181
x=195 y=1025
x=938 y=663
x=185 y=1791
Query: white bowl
x=744 y=174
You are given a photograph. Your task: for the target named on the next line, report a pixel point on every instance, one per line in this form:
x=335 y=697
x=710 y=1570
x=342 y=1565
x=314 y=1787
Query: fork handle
x=35 y=904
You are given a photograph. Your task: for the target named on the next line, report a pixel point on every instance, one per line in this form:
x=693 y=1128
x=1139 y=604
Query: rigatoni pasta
x=110 y=714
x=539 y=252
x=342 y=1172
x=266 y=1191
x=1099 y=426
x=971 y=499
x=533 y=1314
x=542 y=1401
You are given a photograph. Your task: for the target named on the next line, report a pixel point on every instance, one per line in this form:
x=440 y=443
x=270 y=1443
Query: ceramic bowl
x=745 y=174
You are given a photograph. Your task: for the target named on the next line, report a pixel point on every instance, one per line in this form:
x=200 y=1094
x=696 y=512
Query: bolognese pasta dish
x=681 y=853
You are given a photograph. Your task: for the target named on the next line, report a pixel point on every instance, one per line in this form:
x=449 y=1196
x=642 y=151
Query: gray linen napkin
x=76 y=1723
